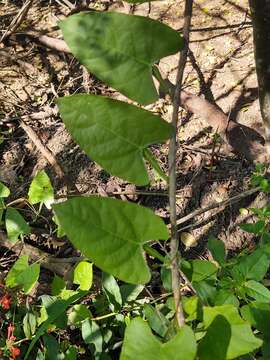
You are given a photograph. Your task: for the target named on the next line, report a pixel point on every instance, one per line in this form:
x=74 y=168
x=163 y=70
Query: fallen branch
x=215 y=205
x=47 y=41
x=18 y=19
x=58 y=266
x=241 y=139
x=48 y=155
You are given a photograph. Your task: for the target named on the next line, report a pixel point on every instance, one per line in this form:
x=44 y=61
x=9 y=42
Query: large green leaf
x=227 y=333
x=141 y=344
x=113 y=133
x=112 y=233
x=120 y=49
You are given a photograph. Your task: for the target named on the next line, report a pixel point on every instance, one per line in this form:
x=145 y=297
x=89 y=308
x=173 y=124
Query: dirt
x=32 y=77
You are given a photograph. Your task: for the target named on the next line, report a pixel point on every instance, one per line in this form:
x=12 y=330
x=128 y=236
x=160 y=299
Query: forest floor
x=33 y=76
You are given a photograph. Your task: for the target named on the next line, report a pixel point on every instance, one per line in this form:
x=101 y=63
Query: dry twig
x=16 y=22
x=215 y=205
x=48 y=155
x=61 y=268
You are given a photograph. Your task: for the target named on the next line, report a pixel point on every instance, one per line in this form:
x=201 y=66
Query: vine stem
x=174 y=244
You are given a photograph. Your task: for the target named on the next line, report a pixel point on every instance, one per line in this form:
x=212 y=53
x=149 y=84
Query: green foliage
x=83 y=275
x=22 y=274
x=118 y=228
x=106 y=44
x=41 y=190
x=226 y=302
x=227 y=334
x=4 y=190
x=147 y=346
x=113 y=133
x=217 y=249
x=16 y=225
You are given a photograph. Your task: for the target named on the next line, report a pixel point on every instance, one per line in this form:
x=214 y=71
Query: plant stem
x=154 y=253
x=174 y=244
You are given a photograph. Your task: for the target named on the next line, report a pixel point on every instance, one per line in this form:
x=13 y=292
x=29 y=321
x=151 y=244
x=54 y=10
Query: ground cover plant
x=102 y=308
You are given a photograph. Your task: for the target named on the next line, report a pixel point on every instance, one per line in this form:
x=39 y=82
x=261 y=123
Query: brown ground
x=31 y=77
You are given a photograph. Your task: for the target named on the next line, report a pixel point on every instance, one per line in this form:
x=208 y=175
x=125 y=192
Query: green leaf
x=112 y=291
x=156 y=320
x=29 y=324
x=112 y=232
x=258 y=315
x=113 y=133
x=83 y=275
x=4 y=190
x=238 y=340
x=15 y=224
x=41 y=190
x=91 y=334
x=23 y=274
x=191 y=306
x=58 y=284
x=253 y=228
x=206 y=291
x=130 y=292
x=2 y=207
x=51 y=347
x=226 y=297
x=252 y=266
x=266 y=349
x=78 y=314
x=106 y=44
x=141 y=344
x=54 y=311
x=216 y=342
x=199 y=270
x=257 y=291
x=217 y=249
x=166 y=277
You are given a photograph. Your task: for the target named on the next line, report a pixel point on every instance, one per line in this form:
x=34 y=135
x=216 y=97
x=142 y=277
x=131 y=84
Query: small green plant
x=226 y=303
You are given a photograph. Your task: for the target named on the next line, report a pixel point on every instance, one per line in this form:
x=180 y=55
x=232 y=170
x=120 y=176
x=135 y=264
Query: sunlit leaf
x=23 y=274
x=4 y=190
x=113 y=133
x=78 y=314
x=120 y=49
x=112 y=233
x=41 y=190
x=83 y=275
